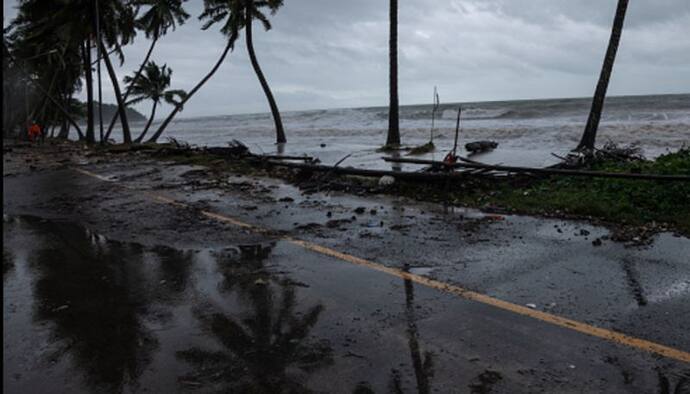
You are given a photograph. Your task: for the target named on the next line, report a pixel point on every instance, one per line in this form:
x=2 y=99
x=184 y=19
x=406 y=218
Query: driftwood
x=401 y=175
x=542 y=171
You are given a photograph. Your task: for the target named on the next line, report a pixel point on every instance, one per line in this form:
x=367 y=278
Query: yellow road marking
x=609 y=335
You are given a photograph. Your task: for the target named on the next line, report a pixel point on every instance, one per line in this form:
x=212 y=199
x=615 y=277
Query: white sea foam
x=527 y=131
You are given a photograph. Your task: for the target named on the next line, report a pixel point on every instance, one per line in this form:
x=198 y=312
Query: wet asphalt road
x=106 y=290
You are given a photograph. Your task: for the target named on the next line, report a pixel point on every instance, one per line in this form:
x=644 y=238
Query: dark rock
x=481 y=146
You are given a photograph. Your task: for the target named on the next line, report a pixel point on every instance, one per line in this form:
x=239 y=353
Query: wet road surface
x=106 y=290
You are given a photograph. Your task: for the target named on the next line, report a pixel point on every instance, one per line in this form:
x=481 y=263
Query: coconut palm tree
x=117 y=21
x=153 y=85
x=590 y=134
x=45 y=60
x=210 y=14
x=238 y=14
x=160 y=17
x=252 y=10
x=393 y=138
x=75 y=22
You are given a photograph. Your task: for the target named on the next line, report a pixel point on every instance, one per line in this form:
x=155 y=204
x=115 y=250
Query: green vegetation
x=152 y=84
x=619 y=200
x=622 y=201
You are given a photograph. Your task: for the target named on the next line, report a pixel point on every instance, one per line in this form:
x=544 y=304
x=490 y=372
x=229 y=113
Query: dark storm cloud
x=334 y=53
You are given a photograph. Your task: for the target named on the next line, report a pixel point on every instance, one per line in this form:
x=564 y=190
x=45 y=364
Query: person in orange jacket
x=34 y=132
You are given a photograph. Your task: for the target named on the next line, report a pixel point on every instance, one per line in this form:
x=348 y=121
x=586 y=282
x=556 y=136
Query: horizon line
x=420 y=104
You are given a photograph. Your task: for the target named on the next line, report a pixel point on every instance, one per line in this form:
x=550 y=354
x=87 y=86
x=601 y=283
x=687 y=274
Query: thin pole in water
x=437 y=103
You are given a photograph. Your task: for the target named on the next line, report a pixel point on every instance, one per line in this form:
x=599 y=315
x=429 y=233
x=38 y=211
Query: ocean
x=529 y=132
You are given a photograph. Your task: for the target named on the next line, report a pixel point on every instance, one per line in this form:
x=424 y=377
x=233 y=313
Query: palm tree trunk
x=590 y=134
x=129 y=88
x=280 y=132
x=42 y=90
x=97 y=18
x=86 y=54
x=148 y=124
x=63 y=110
x=393 y=138
x=127 y=136
x=198 y=86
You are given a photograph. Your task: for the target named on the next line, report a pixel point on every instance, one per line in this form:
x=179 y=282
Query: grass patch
x=635 y=202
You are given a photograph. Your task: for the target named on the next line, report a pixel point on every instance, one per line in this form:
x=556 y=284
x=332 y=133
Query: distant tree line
x=51 y=49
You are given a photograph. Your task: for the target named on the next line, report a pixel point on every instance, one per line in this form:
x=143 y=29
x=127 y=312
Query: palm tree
x=252 y=10
x=32 y=61
x=237 y=14
x=156 y=21
x=75 y=22
x=393 y=139
x=39 y=53
x=118 y=21
x=152 y=84
x=210 y=12
x=590 y=134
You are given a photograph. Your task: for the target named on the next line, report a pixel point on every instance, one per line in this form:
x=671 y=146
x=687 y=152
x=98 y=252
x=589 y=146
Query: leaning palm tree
x=393 y=139
x=152 y=84
x=590 y=134
x=237 y=14
x=210 y=12
x=252 y=10
x=160 y=17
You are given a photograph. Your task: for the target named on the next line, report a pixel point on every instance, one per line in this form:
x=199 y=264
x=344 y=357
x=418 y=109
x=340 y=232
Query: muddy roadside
x=572 y=267
x=547 y=264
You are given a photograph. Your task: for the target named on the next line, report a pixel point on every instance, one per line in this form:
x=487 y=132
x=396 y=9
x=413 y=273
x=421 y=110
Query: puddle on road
x=89 y=314
x=83 y=313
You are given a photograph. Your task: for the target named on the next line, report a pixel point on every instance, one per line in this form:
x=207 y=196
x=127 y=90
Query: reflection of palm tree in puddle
x=422 y=364
x=96 y=293
x=268 y=349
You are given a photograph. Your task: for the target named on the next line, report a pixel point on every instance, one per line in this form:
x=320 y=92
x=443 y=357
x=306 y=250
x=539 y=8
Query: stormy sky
x=334 y=53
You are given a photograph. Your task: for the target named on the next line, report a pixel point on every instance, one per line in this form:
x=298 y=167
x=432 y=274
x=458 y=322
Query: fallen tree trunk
x=409 y=176
x=544 y=171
